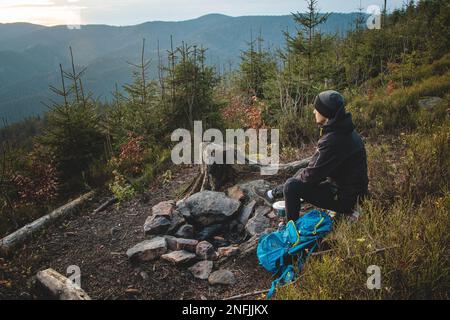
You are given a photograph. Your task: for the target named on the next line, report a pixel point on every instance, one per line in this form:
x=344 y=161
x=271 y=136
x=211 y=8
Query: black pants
x=323 y=195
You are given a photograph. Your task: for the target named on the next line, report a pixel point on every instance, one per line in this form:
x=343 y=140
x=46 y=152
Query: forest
x=395 y=81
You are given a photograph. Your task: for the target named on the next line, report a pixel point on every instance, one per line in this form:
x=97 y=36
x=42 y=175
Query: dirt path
x=97 y=243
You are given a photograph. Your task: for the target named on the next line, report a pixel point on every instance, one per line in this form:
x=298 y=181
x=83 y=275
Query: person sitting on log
x=336 y=177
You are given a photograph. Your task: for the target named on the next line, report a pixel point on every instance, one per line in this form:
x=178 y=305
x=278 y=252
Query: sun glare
x=40 y=12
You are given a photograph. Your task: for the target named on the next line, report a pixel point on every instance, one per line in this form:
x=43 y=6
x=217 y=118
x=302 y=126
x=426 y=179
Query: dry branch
x=105 y=205
x=19 y=236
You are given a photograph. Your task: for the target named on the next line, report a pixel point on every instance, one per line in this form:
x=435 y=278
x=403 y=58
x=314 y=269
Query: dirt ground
x=97 y=244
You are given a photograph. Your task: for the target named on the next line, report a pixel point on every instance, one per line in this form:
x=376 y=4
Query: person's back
x=350 y=174
x=336 y=177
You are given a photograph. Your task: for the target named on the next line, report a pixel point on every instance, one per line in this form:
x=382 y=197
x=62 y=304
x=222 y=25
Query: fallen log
x=19 y=236
x=59 y=287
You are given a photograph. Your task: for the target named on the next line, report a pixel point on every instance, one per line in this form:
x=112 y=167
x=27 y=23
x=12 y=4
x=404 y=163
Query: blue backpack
x=295 y=239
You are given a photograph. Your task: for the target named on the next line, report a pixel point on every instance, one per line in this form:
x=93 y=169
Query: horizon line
x=169 y=21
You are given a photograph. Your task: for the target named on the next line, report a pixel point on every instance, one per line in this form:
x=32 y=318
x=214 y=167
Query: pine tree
x=73 y=132
x=135 y=108
x=309 y=22
x=191 y=85
x=256 y=67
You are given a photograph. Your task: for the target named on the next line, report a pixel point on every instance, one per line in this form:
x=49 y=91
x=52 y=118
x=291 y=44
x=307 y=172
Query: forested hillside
x=396 y=83
x=30 y=55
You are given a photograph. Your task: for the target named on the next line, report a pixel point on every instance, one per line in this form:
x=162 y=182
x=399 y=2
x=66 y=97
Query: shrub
x=37 y=182
x=298 y=130
x=426 y=164
x=410 y=167
x=383 y=184
x=238 y=115
x=121 y=188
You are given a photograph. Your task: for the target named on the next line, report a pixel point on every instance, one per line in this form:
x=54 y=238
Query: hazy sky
x=129 y=12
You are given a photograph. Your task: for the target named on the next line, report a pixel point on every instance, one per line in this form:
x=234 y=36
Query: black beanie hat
x=328 y=103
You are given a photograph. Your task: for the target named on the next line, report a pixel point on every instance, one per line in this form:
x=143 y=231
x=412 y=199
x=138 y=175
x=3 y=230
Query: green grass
x=391 y=114
x=413 y=266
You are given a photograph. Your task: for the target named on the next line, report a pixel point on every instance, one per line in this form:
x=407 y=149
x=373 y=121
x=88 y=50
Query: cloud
x=25 y=3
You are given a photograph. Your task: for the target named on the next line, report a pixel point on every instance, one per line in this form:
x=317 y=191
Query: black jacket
x=340 y=158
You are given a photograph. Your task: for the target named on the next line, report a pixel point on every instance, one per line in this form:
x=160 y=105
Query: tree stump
x=213 y=176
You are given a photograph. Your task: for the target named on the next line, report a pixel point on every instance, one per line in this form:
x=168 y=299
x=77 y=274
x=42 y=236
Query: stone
x=240 y=228
x=220 y=243
x=251 y=187
x=183 y=209
x=205 y=251
x=262 y=211
x=210 y=207
x=164 y=209
x=202 y=269
x=224 y=277
x=185 y=231
x=272 y=215
x=246 y=212
x=230 y=251
x=176 y=244
x=232 y=226
x=259 y=223
x=148 y=250
x=144 y=275
x=155 y=225
x=186 y=244
x=179 y=257
x=115 y=230
x=236 y=193
x=249 y=246
x=209 y=232
x=429 y=103
x=176 y=221
x=171 y=242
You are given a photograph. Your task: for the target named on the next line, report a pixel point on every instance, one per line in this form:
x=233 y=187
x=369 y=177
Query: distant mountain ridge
x=30 y=54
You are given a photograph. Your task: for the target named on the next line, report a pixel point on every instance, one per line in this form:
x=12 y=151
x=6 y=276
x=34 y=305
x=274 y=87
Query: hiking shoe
x=265 y=196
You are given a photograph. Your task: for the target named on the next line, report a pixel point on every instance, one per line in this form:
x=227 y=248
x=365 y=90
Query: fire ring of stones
x=201 y=232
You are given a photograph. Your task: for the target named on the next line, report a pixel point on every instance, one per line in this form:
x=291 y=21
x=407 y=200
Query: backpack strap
x=288 y=273
x=286 y=276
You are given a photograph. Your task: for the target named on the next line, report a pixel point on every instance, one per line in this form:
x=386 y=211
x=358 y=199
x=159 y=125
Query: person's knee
x=292 y=185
